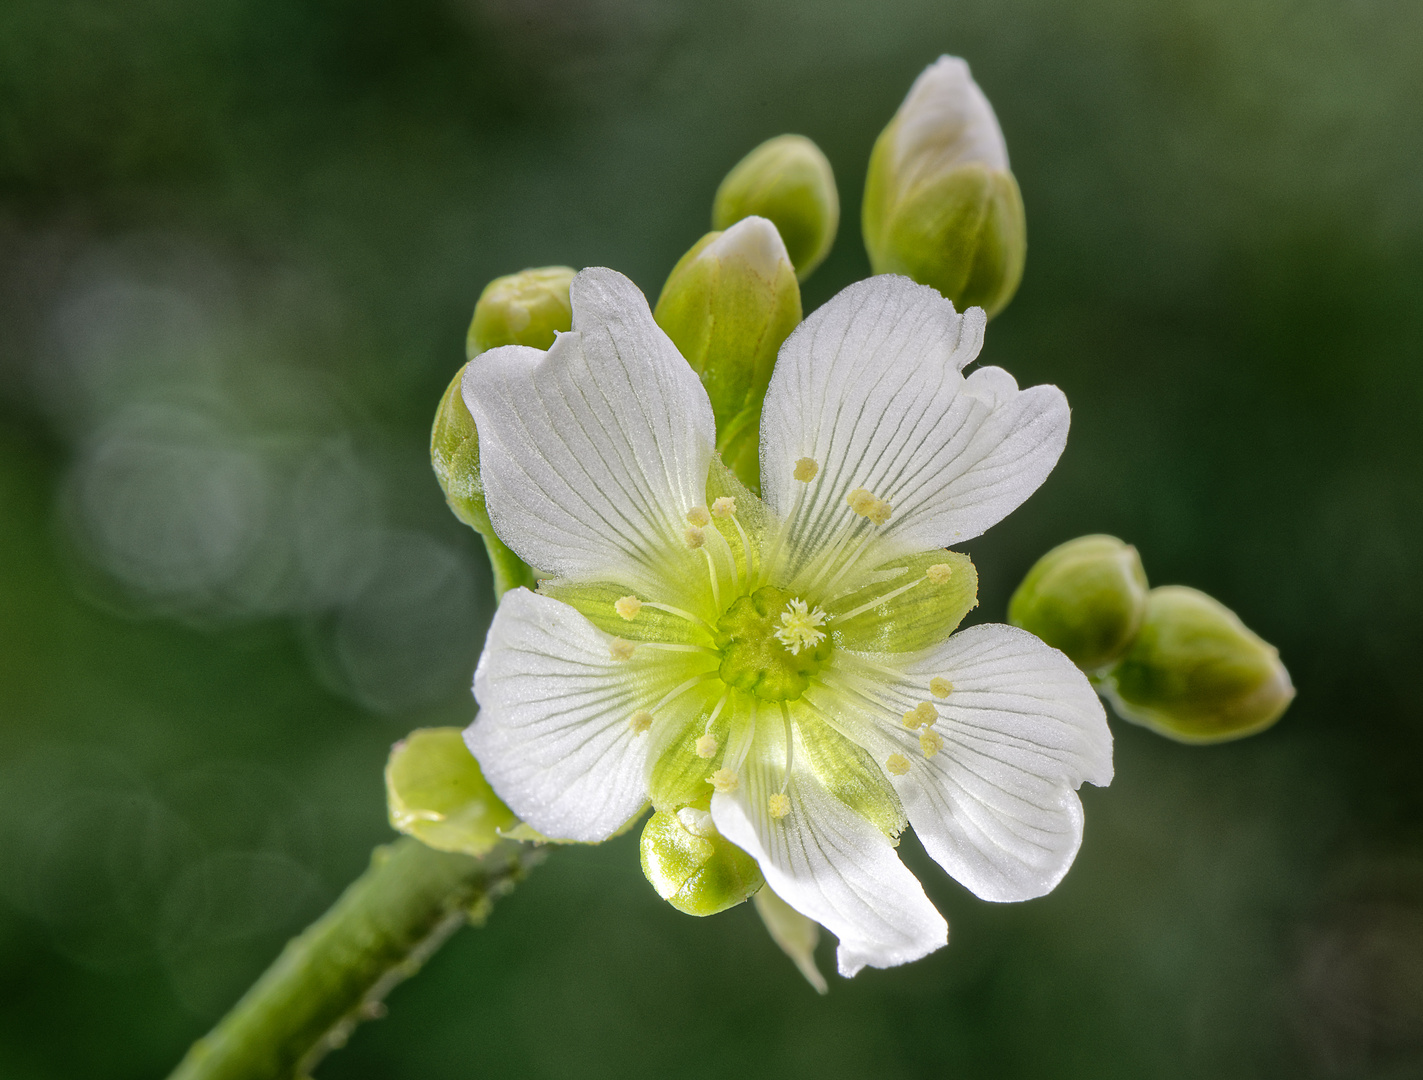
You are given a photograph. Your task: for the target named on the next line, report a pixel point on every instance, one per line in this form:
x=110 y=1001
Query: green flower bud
x=454 y=453
x=521 y=309
x=788 y=180
x=1086 y=597
x=1196 y=674
x=727 y=306
x=941 y=205
x=436 y=793
x=692 y=866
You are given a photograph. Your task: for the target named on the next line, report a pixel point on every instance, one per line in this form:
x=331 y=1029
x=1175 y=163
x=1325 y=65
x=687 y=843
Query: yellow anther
x=911 y=719
x=879 y=512
x=860 y=501
x=706 y=746
x=805 y=470
x=724 y=507
x=695 y=537
x=698 y=516
x=931 y=742
x=800 y=626
x=897 y=764
x=620 y=649
x=939 y=573
x=628 y=607
x=640 y=721
x=778 y=805
x=724 y=781
x=940 y=686
x=927 y=713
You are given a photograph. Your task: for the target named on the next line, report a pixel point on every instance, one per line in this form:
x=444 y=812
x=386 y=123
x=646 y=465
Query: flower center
x=771 y=644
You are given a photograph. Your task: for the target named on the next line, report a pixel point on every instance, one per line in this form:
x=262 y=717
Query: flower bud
x=436 y=793
x=454 y=453
x=727 y=306
x=788 y=180
x=1196 y=674
x=1086 y=597
x=526 y=308
x=941 y=205
x=692 y=866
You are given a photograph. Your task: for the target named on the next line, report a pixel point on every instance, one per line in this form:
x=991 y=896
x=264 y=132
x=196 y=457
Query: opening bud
x=941 y=205
x=1196 y=674
x=1086 y=597
x=526 y=308
x=692 y=866
x=727 y=305
x=436 y=793
x=789 y=181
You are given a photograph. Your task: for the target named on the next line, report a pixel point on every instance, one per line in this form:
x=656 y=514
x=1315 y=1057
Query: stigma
x=800 y=626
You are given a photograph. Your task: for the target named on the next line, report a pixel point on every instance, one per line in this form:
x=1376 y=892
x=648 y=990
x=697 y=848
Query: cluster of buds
x=1171 y=658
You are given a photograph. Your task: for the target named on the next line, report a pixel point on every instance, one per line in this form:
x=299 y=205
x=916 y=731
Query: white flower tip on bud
x=724 y=507
x=697 y=822
x=628 y=607
x=897 y=764
x=940 y=687
x=698 y=516
x=947 y=117
x=939 y=573
x=757 y=243
x=778 y=805
x=707 y=746
x=723 y=781
x=694 y=537
x=621 y=649
x=805 y=470
x=640 y=721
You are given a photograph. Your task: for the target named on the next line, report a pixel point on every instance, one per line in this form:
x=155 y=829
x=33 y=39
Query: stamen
x=724 y=507
x=860 y=501
x=620 y=649
x=711 y=571
x=800 y=627
x=940 y=687
x=927 y=714
x=674 y=694
x=778 y=805
x=707 y=746
x=725 y=549
x=805 y=470
x=931 y=742
x=746 y=549
x=879 y=512
x=694 y=537
x=628 y=607
x=640 y=721
x=897 y=764
x=678 y=646
x=790 y=747
x=698 y=516
x=724 y=781
x=878 y=600
x=673 y=611
x=939 y=573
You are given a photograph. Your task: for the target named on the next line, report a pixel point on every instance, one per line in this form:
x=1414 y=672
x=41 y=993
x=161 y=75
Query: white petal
x=552 y=734
x=592 y=453
x=869 y=387
x=832 y=865
x=997 y=806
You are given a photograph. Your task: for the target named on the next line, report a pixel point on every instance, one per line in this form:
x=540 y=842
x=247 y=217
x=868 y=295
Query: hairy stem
x=336 y=973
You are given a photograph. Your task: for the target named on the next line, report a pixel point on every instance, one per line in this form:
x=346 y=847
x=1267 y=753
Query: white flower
x=785 y=664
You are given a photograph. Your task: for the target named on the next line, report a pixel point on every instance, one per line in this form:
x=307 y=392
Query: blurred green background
x=239 y=244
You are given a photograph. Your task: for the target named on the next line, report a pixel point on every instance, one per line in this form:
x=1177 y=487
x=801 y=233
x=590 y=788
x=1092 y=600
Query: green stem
x=510 y=571
x=380 y=930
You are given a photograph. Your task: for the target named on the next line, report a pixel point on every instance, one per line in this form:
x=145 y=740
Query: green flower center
x=771 y=644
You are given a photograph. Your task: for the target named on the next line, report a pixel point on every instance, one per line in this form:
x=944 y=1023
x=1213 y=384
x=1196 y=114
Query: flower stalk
x=339 y=970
